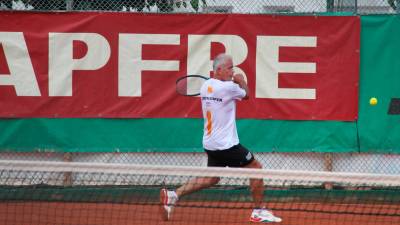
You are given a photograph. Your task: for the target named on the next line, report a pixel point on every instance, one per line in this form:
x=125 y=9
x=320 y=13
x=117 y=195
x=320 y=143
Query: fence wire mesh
x=210 y=6
x=307 y=161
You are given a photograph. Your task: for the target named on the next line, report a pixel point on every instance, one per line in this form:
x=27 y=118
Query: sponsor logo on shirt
x=212 y=99
x=210 y=89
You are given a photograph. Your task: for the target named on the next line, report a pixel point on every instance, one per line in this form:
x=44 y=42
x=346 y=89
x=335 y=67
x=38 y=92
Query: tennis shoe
x=167 y=202
x=264 y=216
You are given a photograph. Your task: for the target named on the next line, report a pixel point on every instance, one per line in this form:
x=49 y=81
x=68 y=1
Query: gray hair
x=219 y=60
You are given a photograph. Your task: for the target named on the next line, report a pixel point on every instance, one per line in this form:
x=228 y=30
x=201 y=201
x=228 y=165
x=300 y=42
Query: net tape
x=364 y=179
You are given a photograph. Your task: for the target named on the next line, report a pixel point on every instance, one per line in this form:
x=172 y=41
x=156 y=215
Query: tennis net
x=58 y=193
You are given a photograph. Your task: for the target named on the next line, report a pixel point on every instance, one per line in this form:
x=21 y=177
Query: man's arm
x=239 y=79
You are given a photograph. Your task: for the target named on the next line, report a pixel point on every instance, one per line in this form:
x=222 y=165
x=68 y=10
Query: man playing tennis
x=220 y=139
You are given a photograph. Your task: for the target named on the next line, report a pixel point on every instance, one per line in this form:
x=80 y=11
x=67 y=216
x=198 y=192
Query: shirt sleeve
x=236 y=91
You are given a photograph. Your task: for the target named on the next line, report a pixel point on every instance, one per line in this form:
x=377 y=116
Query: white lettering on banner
x=268 y=67
x=199 y=48
x=131 y=64
x=22 y=76
x=62 y=63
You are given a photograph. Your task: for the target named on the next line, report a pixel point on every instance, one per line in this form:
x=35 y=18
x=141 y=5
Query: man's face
x=226 y=70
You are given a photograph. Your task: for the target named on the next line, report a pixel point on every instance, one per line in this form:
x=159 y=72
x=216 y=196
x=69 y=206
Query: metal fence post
x=67 y=181
x=328 y=163
x=69 y=4
x=398 y=6
x=355 y=6
x=330 y=4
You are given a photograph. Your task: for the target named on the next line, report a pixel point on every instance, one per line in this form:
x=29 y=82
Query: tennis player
x=220 y=139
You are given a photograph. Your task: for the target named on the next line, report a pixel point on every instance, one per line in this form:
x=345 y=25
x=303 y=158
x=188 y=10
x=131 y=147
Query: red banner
x=125 y=65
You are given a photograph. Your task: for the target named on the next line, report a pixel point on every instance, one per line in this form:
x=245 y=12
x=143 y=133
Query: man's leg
x=196 y=184
x=169 y=198
x=256 y=186
x=260 y=213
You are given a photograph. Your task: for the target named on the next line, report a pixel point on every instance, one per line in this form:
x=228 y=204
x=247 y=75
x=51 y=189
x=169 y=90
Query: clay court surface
x=57 y=213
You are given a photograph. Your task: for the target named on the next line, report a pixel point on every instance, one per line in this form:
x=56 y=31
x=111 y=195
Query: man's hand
x=239 y=79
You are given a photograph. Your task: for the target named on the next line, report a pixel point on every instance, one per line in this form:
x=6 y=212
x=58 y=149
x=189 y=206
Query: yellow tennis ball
x=373 y=101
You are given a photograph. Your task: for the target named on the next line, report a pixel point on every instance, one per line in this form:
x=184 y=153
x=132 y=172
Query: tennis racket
x=190 y=85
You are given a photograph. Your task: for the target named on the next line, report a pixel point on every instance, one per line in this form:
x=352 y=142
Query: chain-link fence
x=309 y=161
x=210 y=6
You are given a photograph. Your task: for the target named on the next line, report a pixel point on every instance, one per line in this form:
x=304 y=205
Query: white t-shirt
x=218 y=101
